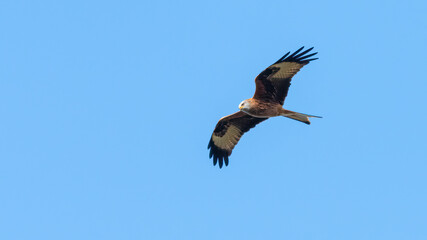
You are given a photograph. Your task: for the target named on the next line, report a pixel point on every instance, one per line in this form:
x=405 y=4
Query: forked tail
x=297 y=116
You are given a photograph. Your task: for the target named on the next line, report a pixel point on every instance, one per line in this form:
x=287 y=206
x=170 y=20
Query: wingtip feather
x=226 y=160
x=298 y=56
x=296 y=52
x=306 y=51
x=311 y=59
x=220 y=162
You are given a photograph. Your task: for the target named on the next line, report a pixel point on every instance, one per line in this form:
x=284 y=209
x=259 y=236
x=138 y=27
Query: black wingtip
x=297 y=51
x=306 y=51
x=298 y=57
x=218 y=155
x=281 y=59
x=307 y=56
x=311 y=59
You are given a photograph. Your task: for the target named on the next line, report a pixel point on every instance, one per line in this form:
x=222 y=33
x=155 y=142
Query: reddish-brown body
x=262 y=109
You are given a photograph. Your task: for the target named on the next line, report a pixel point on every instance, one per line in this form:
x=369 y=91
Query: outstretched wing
x=227 y=133
x=273 y=83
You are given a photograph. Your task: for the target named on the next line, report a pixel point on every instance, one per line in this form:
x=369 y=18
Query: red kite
x=272 y=86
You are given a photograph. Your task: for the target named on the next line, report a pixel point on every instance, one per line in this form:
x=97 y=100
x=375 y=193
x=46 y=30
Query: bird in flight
x=272 y=87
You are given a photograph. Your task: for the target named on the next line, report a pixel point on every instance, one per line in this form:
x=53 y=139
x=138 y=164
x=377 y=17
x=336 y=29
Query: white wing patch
x=229 y=139
x=287 y=70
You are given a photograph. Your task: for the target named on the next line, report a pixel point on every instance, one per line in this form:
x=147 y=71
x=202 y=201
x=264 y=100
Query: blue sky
x=108 y=106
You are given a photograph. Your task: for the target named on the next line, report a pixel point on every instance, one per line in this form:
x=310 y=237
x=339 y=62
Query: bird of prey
x=272 y=87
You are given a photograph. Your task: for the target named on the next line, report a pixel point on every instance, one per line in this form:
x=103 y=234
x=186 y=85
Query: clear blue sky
x=107 y=108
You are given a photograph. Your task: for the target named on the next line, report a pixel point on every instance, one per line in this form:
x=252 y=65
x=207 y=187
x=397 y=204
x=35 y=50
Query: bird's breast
x=263 y=110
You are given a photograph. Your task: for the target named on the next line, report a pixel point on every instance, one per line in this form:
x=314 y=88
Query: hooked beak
x=240 y=107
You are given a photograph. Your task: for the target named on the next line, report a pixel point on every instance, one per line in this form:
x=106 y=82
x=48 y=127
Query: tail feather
x=298 y=116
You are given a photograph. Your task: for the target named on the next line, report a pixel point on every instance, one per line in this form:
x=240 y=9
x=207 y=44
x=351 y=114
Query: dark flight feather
x=227 y=133
x=272 y=84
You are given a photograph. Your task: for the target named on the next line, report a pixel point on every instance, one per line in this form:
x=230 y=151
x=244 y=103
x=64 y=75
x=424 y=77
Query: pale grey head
x=244 y=105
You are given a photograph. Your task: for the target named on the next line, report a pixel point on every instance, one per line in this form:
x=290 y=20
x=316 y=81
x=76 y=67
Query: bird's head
x=244 y=105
